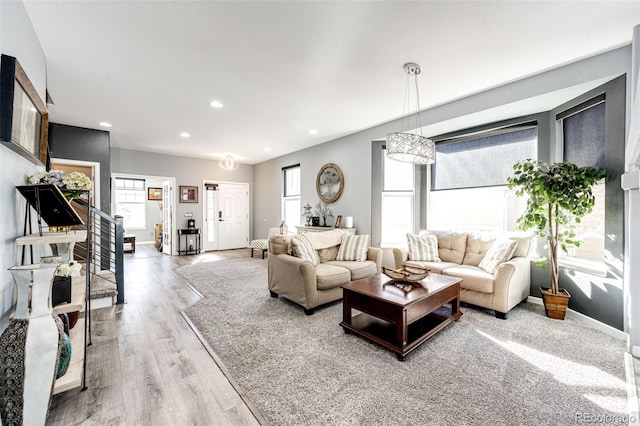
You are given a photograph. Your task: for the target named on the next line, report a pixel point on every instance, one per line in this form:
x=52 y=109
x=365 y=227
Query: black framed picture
x=24 y=118
x=154 y=194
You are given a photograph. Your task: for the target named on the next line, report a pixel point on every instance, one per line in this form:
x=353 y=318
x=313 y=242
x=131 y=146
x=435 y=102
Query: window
x=291 y=195
x=130 y=198
x=581 y=131
x=468 y=180
x=397 y=200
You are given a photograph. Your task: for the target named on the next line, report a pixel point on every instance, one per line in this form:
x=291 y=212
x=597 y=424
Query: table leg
x=346 y=311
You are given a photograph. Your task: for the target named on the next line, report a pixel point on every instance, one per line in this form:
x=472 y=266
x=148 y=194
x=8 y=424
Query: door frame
x=204 y=208
x=174 y=250
x=95 y=166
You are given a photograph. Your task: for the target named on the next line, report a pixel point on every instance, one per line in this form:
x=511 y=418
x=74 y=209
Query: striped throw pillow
x=302 y=248
x=501 y=251
x=423 y=247
x=353 y=247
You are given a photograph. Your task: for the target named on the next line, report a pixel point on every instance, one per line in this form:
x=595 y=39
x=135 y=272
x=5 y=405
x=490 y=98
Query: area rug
x=304 y=370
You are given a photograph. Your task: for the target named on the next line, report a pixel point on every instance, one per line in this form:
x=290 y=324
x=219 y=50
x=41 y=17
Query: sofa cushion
x=331 y=276
x=473 y=278
x=451 y=245
x=477 y=246
x=328 y=254
x=303 y=249
x=500 y=251
x=423 y=248
x=359 y=270
x=523 y=245
x=325 y=239
x=353 y=247
x=280 y=244
x=435 y=267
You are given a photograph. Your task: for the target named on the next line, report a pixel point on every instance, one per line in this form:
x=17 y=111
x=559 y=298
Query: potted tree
x=560 y=194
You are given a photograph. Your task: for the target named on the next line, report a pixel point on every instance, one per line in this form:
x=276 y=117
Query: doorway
x=226 y=215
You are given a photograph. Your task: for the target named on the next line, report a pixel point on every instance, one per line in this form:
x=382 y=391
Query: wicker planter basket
x=555 y=304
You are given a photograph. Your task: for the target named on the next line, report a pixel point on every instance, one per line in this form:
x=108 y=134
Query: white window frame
x=291 y=197
x=385 y=194
x=142 y=203
x=598 y=268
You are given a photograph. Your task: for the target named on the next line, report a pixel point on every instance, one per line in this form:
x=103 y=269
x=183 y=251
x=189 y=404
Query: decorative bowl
x=406 y=274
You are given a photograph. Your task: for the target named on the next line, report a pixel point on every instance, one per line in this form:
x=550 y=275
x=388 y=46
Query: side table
x=191 y=246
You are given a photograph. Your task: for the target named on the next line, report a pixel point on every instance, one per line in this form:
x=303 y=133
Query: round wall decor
x=329 y=183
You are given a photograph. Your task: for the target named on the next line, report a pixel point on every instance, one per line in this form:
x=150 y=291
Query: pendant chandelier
x=405 y=146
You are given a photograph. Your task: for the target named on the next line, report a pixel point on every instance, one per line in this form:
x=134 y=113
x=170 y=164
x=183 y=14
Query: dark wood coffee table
x=399 y=316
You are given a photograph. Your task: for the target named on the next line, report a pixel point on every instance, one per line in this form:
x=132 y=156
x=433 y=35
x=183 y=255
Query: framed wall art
x=329 y=183
x=154 y=194
x=188 y=194
x=24 y=118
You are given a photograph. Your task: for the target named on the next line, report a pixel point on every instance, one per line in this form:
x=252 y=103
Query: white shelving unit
x=75 y=377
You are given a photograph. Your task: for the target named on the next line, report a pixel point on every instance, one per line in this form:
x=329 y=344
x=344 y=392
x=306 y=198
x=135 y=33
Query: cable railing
x=107 y=248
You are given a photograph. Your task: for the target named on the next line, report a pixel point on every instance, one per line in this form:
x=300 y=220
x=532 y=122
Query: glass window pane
x=291 y=181
x=475 y=209
x=397 y=217
x=291 y=212
x=397 y=176
x=591 y=230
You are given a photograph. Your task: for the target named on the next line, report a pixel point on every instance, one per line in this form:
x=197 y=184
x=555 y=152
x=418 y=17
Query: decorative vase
x=29 y=349
x=555 y=305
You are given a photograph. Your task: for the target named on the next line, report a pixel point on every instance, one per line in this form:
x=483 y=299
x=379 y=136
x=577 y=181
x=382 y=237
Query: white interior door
x=233 y=215
x=167 y=215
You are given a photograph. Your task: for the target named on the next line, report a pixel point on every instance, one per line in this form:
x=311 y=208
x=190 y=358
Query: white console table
x=305 y=229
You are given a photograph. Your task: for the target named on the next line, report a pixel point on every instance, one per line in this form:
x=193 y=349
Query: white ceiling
x=151 y=68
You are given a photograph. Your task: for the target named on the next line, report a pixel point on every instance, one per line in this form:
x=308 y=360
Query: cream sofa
x=310 y=286
x=461 y=253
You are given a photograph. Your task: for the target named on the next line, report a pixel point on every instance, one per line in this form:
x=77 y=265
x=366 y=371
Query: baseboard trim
x=607 y=329
x=102 y=302
x=633 y=405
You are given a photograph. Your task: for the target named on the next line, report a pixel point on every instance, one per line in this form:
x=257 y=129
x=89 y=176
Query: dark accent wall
x=77 y=143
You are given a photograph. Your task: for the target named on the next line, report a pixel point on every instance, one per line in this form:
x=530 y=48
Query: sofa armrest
x=293 y=278
x=375 y=254
x=400 y=255
x=511 y=283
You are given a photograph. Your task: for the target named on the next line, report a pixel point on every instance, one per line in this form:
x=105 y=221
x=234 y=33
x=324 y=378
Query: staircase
x=105 y=257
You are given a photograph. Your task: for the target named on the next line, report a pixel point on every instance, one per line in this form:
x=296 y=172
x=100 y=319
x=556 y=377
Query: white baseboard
x=103 y=302
x=607 y=329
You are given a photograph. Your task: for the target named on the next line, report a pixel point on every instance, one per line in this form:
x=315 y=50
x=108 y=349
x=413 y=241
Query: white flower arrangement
x=61 y=179
x=69 y=269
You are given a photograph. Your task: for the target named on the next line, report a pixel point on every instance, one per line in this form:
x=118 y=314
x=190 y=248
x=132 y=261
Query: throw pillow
x=423 y=247
x=303 y=249
x=353 y=247
x=328 y=254
x=501 y=251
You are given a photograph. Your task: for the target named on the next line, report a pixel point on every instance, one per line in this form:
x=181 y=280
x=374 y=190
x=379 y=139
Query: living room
x=607 y=299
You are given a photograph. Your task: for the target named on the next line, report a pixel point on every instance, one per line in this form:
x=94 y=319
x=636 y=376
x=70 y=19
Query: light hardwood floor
x=146 y=365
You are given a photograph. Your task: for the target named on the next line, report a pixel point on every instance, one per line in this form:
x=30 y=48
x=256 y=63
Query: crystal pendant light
x=411 y=147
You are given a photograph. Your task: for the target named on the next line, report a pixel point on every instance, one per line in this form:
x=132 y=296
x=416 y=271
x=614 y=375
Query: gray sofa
x=461 y=253
x=310 y=285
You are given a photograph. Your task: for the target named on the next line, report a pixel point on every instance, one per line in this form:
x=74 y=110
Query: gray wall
x=18 y=39
x=77 y=143
x=187 y=171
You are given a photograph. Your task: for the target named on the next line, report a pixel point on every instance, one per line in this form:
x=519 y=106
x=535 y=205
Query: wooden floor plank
x=146 y=365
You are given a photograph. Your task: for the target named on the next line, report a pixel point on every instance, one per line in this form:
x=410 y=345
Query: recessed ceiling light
x=267 y=149
x=216 y=104
x=185 y=135
x=313 y=132
x=105 y=124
